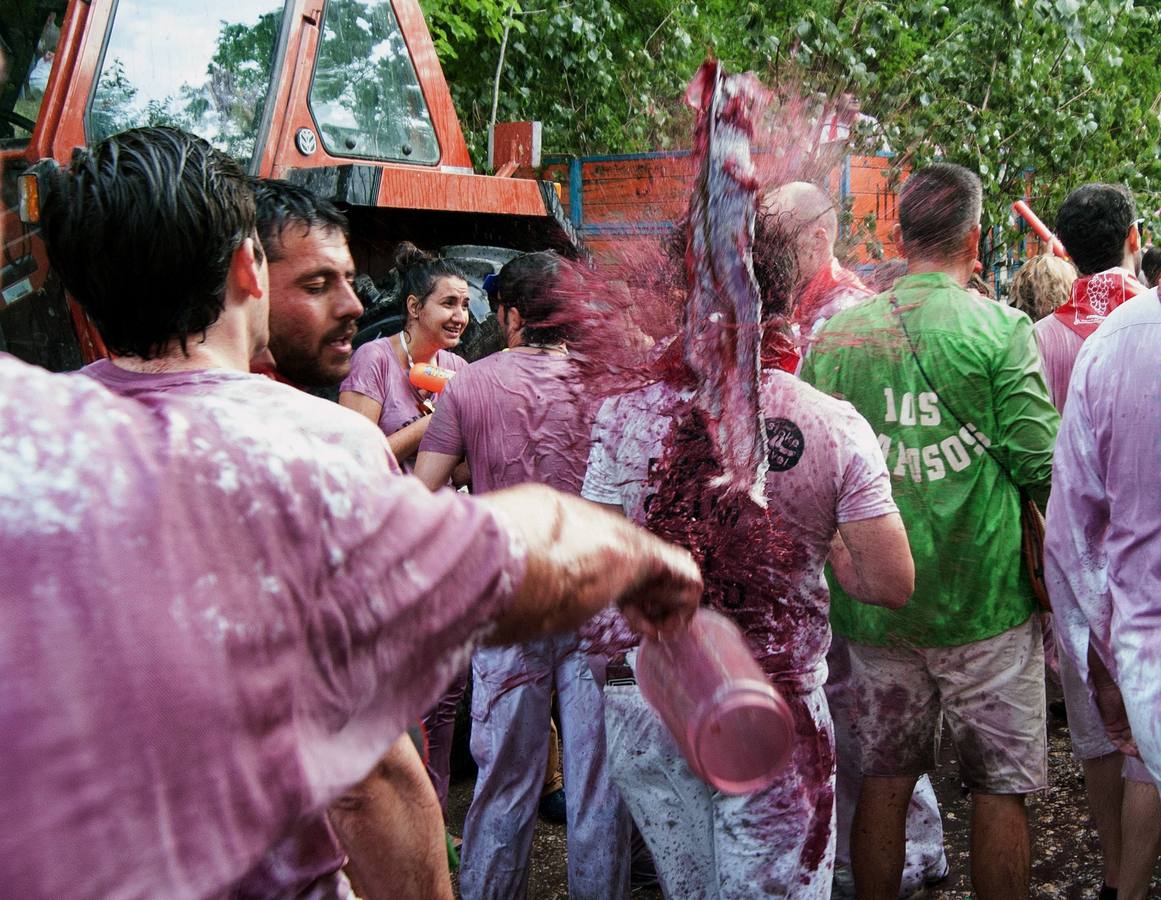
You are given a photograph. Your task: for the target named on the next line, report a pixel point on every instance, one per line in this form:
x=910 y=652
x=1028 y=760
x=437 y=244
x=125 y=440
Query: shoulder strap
x=942 y=399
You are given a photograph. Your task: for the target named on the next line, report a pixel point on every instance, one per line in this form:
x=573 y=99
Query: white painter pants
x=773 y=843
x=511 y=697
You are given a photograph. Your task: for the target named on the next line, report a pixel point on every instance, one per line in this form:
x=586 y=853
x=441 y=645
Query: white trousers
x=773 y=843
x=511 y=701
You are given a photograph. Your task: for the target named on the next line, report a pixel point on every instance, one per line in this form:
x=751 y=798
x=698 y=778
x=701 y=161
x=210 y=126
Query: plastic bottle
x=427 y=377
x=733 y=727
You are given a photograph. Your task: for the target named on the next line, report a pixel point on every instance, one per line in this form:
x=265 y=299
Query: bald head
x=808 y=213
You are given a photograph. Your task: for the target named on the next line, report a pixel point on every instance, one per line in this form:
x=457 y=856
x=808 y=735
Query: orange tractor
x=344 y=96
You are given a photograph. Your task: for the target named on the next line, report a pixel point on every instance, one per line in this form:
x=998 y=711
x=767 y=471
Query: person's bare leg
x=1000 y=853
x=1102 y=783
x=879 y=835
x=1140 y=839
x=392 y=829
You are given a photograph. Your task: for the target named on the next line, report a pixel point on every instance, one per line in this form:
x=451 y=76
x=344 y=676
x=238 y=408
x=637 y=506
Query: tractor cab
x=344 y=96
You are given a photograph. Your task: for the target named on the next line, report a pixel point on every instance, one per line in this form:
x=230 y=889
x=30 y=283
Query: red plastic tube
x=1022 y=209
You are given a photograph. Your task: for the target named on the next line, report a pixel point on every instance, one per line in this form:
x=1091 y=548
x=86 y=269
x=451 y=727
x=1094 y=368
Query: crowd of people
x=238 y=619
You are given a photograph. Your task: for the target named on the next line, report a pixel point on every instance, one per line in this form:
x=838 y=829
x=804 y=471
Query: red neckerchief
x=266 y=370
x=819 y=291
x=1093 y=297
x=779 y=350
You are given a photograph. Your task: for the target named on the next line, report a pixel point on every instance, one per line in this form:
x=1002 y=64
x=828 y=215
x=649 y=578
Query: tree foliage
x=1056 y=91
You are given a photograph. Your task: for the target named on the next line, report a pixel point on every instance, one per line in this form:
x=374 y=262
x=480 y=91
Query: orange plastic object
x=427 y=377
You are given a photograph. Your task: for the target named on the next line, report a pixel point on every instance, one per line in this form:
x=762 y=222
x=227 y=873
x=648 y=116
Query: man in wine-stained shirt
x=313 y=315
x=227 y=631
x=825 y=289
x=652 y=460
x=951 y=384
x=1097 y=225
x=520 y=417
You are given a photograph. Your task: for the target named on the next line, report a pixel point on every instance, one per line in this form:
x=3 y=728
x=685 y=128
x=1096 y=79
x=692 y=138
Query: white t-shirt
x=763 y=568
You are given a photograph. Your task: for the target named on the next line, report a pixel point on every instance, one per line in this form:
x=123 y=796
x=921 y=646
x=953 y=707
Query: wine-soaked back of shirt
x=519 y=418
x=763 y=568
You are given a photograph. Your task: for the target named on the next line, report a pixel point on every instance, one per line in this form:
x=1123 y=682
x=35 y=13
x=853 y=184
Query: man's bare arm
x=872 y=561
x=434 y=469
x=1107 y=694
x=582 y=558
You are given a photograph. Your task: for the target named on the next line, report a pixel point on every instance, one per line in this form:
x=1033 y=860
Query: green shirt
x=961 y=511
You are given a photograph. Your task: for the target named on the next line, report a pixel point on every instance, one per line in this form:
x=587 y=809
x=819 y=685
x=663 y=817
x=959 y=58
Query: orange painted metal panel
x=453 y=147
x=416 y=188
x=651 y=192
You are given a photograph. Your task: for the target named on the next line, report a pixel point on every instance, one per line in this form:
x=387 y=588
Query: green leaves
x=1069 y=89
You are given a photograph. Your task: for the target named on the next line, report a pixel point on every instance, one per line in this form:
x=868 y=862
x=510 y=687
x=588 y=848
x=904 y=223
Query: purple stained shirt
x=377 y=373
x=1058 y=345
x=1103 y=541
x=217 y=613
x=518 y=418
x=826 y=468
x=309 y=860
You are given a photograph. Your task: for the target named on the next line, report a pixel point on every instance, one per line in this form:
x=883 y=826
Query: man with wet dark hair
x=180 y=251
x=1097 y=225
x=219 y=560
x=951 y=382
x=313 y=306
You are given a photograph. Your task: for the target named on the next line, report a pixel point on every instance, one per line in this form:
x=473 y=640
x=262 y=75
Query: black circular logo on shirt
x=784 y=444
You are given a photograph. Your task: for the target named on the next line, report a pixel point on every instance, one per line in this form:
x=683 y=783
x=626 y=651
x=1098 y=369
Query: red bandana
x=1093 y=297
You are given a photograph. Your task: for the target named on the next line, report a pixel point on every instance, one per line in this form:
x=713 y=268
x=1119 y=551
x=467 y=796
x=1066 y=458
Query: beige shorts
x=991 y=693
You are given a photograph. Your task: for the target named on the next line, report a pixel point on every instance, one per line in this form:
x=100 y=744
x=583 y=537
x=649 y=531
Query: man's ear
x=247 y=267
x=897 y=237
x=971 y=243
x=1133 y=239
x=515 y=320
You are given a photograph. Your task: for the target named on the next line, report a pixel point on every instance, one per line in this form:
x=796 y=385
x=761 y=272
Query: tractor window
x=29 y=33
x=203 y=67
x=366 y=97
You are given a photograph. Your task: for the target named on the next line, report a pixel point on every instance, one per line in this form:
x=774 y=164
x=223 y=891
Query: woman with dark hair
x=435 y=293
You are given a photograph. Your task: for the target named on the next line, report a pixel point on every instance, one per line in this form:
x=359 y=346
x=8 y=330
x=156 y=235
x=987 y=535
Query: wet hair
x=1151 y=265
x=774 y=260
x=775 y=264
x=419 y=271
x=938 y=206
x=142 y=230
x=976 y=282
x=1041 y=285
x=281 y=204
x=1093 y=222
x=527 y=284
